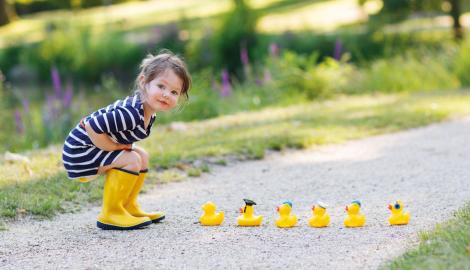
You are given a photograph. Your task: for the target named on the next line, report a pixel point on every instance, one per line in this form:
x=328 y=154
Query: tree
x=455 y=12
x=397 y=10
x=237 y=33
x=7 y=13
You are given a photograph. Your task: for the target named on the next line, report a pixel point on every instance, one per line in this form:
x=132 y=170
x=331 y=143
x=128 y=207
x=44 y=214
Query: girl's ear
x=141 y=81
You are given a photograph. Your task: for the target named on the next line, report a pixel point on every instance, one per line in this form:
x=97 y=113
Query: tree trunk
x=455 y=12
x=7 y=13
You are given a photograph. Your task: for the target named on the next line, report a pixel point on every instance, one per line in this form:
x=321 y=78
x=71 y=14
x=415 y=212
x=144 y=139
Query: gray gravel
x=427 y=168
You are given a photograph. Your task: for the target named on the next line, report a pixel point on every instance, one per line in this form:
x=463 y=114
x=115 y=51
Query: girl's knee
x=144 y=157
x=134 y=161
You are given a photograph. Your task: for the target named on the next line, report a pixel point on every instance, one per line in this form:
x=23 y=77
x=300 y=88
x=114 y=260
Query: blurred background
x=61 y=59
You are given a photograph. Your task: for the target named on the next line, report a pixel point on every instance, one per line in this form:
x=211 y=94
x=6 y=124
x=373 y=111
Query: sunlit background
x=60 y=60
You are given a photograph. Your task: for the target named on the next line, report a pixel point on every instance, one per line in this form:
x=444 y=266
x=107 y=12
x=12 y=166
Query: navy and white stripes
x=123 y=121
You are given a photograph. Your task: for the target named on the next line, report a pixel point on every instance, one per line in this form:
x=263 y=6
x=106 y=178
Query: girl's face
x=163 y=92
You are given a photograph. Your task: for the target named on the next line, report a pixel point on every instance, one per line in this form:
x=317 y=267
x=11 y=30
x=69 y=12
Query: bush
x=409 y=72
x=82 y=55
x=6 y=127
x=238 y=31
x=33 y=6
x=462 y=64
x=294 y=73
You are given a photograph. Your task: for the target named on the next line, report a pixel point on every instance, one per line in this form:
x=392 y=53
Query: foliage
x=33 y=6
x=5 y=128
x=284 y=79
x=409 y=72
x=86 y=56
x=397 y=10
x=445 y=247
x=79 y=53
x=236 y=33
x=462 y=64
x=294 y=73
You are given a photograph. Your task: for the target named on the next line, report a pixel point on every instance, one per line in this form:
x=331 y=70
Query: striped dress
x=123 y=121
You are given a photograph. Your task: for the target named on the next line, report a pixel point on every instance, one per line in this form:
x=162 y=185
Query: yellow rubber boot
x=117 y=188
x=132 y=206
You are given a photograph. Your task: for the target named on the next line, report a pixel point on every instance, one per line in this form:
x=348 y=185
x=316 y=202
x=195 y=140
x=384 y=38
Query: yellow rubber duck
x=247 y=218
x=398 y=217
x=320 y=217
x=210 y=217
x=354 y=218
x=286 y=220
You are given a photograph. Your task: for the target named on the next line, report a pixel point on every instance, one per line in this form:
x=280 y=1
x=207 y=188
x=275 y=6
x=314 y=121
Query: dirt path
x=427 y=168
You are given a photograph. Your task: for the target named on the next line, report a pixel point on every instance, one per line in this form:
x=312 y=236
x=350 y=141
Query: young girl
x=103 y=142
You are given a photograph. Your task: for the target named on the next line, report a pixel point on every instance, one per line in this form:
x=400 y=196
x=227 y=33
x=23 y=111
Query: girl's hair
x=155 y=65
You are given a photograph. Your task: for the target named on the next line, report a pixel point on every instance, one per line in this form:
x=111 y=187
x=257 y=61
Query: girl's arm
x=103 y=141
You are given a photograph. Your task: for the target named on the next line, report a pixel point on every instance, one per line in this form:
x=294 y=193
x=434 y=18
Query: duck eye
x=397 y=206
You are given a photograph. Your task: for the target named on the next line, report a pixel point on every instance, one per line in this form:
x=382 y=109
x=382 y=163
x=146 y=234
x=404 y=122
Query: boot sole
x=118 y=228
x=157 y=220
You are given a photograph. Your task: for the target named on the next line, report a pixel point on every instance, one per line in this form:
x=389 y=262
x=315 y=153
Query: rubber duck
x=286 y=220
x=247 y=218
x=398 y=217
x=320 y=217
x=354 y=218
x=210 y=217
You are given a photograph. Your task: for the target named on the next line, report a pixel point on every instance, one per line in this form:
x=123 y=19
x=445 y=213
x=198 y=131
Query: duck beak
x=277 y=209
x=346 y=208
x=390 y=207
x=313 y=208
x=241 y=210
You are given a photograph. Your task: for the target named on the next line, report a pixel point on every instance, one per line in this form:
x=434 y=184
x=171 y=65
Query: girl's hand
x=127 y=147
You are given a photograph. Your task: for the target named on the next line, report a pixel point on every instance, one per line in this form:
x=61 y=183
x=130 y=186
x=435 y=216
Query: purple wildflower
x=19 y=122
x=67 y=98
x=274 y=49
x=56 y=81
x=25 y=102
x=226 y=86
x=338 y=49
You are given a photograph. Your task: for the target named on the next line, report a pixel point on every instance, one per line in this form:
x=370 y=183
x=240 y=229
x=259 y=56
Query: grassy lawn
x=276 y=16
x=446 y=247
x=125 y=16
x=280 y=15
x=41 y=188
x=320 y=16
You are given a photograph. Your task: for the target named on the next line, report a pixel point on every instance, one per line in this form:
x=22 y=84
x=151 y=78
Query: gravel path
x=427 y=168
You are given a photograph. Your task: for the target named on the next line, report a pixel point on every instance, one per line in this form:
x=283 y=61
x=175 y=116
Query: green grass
x=131 y=16
x=446 y=247
x=128 y=16
x=41 y=188
x=125 y=16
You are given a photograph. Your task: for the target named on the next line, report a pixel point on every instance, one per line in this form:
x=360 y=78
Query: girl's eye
x=174 y=92
x=161 y=86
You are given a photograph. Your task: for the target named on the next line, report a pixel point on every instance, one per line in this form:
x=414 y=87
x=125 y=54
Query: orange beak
x=313 y=207
x=241 y=209
x=390 y=206
x=346 y=208
x=277 y=209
